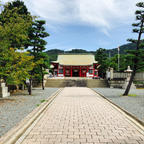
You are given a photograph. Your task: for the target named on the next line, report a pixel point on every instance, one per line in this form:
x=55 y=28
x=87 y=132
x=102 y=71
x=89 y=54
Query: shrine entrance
x=83 y=72
x=75 y=72
x=75 y=65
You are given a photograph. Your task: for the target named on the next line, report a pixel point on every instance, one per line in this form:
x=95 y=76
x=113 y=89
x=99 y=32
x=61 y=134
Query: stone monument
x=3 y=90
x=109 y=73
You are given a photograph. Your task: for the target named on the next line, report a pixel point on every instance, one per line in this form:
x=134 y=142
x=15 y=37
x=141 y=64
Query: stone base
x=3 y=91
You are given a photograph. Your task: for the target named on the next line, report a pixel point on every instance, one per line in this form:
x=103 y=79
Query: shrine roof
x=75 y=59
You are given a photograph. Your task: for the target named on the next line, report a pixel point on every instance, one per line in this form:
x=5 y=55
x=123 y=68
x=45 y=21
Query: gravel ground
x=14 y=108
x=132 y=104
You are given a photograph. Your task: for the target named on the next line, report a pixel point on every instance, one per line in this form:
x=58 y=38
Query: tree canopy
x=13 y=30
x=36 y=45
x=19 y=31
x=15 y=21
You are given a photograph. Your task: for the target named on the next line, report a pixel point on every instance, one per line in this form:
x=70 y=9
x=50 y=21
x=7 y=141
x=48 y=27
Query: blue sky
x=85 y=24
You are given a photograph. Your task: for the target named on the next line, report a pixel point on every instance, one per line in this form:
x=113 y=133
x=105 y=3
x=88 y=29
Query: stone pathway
x=80 y=116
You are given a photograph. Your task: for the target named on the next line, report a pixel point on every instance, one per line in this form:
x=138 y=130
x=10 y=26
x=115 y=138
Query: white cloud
x=102 y=14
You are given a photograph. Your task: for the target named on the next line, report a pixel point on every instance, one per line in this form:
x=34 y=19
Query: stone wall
x=138 y=77
x=120 y=79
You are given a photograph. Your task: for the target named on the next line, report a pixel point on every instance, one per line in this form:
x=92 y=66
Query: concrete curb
x=16 y=132
x=129 y=116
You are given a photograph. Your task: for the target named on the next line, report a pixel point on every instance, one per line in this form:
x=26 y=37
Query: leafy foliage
x=14 y=65
x=15 y=21
x=37 y=44
x=102 y=59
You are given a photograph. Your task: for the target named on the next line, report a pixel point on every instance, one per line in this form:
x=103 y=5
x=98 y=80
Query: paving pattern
x=80 y=116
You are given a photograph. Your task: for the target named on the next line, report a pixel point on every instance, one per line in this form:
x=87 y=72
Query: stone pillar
x=108 y=74
x=3 y=90
x=111 y=73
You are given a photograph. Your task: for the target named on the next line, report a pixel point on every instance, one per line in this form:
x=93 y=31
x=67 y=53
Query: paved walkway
x=80 y=116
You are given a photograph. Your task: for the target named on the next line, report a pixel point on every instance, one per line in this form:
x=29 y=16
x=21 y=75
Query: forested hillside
x=111 y=52
x=123 y=49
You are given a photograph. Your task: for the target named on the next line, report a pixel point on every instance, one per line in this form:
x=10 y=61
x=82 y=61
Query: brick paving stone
x=80 y=116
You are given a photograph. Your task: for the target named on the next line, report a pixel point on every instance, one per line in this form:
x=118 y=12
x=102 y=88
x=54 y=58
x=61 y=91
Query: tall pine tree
x=37 y=33
x=139 y=28
x=102 y=59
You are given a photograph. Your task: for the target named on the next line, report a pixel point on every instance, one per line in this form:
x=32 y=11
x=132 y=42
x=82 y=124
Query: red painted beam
x=71 y=71
x=80 y=72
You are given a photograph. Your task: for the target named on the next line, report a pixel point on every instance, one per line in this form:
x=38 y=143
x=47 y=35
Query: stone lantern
x=3 y=89
x=129 y=72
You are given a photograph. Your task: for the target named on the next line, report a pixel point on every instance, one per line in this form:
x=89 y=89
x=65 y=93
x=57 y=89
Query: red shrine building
x=75 y=65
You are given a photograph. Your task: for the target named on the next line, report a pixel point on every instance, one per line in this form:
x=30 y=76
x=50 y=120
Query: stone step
x=77 y=83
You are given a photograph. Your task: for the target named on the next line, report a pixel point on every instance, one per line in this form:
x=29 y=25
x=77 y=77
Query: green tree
x=131 y=56
x=113 y=62
x=14 y=65
x=37 y=33
x=44 y=64
x=15 y=21
x=139 y=28
x=102 y=59
x=125 y=61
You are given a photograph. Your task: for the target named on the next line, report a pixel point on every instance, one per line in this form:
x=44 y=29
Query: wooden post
x=80 y=72
x=58 y=71
x=87 y=68
x=64 y=71
x=94 y=70
x=71 y=71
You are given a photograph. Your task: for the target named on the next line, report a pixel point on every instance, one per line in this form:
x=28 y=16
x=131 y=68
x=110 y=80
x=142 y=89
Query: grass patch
x=132 y=95
x=42 y=100
x=38 y=105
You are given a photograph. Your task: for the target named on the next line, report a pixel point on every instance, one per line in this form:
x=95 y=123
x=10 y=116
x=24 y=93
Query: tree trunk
x=130 y=82
x=42 y=79
x=42 y=83
x=30 y=87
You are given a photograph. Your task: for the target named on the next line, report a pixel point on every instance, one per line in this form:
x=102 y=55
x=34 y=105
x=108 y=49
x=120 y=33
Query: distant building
x=75 y=65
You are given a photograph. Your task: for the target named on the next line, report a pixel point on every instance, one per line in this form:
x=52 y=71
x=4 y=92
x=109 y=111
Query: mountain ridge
x=110 y=52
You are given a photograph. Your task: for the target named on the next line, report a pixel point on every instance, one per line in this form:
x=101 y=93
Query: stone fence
x=121 y=79
x=138 y=77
